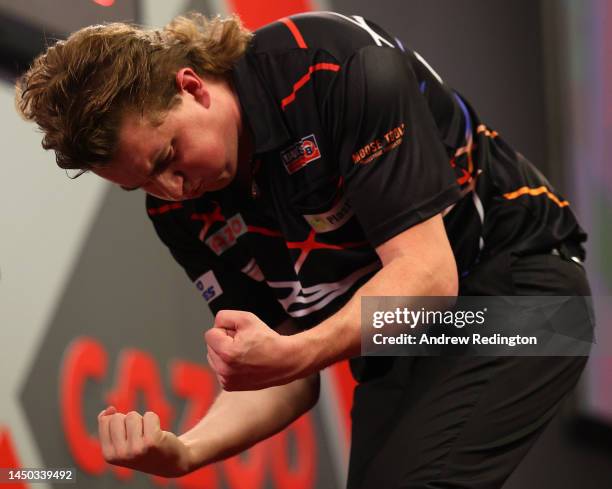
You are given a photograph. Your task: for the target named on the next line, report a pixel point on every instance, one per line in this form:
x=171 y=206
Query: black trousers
x=462 y=422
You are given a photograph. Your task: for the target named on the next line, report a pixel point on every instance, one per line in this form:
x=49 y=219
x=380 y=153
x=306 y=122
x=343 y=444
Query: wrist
x=194 y=453
x=300 y=355
x=323 y=345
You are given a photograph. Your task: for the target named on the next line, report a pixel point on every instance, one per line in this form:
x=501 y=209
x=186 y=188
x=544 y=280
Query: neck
x=244 y=170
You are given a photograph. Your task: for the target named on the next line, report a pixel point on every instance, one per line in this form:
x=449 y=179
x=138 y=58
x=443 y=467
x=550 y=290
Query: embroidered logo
x=390 y=140
x=300 y=154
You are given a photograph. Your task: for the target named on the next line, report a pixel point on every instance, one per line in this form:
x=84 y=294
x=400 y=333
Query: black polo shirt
x=356 y=140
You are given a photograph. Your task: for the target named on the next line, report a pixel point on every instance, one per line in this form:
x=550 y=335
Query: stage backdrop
x=93 y=310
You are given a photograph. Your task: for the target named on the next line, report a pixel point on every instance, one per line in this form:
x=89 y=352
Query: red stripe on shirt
x=302 y=81
x=295 y=31
x=264 y=231
x=164 y=208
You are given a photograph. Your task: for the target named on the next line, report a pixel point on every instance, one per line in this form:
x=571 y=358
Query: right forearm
x=238 y=420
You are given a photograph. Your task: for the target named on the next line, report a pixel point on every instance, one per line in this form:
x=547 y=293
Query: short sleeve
x=219 y=283
x=395 y=168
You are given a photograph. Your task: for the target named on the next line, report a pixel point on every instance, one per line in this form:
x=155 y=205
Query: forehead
x=136 y=136
x=138 y=140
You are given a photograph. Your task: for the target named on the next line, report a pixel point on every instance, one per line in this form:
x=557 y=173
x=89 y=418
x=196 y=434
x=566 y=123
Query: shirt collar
x=259 y=107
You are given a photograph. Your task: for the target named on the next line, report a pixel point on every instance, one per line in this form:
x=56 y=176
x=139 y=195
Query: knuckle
x=117 y=417
x=108 y=454
x=121 y=454
x=138 y=449
x=149 y=443
x=150 y=416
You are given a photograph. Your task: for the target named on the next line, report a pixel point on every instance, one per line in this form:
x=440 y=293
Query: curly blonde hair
x=79 y=89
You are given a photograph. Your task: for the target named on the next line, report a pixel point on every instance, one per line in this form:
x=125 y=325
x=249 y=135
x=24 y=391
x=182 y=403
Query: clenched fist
x=137 y=442
x=246 y=354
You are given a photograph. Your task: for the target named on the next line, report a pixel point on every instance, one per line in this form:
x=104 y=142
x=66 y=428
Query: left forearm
x=339 y=337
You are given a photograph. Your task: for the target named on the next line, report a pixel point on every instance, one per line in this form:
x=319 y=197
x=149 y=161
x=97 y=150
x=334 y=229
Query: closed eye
x=159 y=167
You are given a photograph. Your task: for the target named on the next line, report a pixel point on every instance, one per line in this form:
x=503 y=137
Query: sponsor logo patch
x=209 y=287
x=334 y=218
x=226 y=236
x=379 y=146
x=300 y=154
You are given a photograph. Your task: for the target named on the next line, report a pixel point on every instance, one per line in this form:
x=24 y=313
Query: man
x=291 y=173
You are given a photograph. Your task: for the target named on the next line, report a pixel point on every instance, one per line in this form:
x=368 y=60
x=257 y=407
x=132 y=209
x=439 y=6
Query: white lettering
x=361 y=22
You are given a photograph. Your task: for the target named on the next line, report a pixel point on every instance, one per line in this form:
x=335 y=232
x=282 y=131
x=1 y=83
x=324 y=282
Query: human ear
x=188 y=81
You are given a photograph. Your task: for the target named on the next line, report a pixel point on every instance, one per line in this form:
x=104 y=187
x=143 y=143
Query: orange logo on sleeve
x=391 y=139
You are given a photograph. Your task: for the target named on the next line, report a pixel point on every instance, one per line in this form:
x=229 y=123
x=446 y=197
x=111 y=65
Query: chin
x=222 y=181
x=165 y=197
